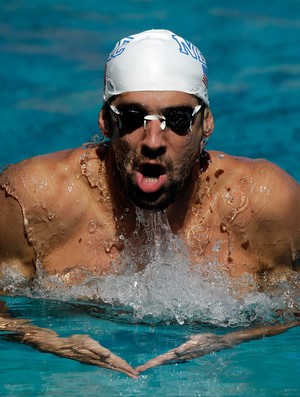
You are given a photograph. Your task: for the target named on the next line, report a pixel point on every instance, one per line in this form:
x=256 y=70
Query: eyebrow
x=132 y=106
x=139 y=106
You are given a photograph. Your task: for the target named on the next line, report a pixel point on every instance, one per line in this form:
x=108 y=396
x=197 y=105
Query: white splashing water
x=166 y=290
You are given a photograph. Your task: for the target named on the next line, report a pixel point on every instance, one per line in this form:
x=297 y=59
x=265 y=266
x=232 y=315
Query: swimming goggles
x=178 y=119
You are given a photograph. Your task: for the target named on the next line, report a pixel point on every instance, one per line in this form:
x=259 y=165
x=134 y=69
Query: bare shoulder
x=36 y=168
x=261 y=201
x=270 y=190
x=44 y=176
x=54 y=185
x=255 y=176
x=42 y=198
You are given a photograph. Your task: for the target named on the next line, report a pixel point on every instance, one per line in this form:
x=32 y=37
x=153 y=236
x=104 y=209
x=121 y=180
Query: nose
x=154 y=143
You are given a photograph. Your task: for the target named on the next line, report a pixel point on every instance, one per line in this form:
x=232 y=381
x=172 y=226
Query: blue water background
x=264 y=368
x=52 y=56
x=51 y=77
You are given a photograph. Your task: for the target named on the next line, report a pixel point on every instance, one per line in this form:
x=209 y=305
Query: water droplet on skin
x=223 y=227
x=262 y=189
x=107 y=247
x=92 y=227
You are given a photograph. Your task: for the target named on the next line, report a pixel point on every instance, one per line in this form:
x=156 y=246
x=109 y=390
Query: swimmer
x=68 y=213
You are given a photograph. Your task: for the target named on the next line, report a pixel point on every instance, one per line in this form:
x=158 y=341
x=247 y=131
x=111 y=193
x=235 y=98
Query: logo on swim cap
x=187 y=48
x=155 y=60
x=120 y=47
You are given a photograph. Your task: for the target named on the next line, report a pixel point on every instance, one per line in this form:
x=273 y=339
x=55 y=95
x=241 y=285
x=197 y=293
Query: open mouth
x=150 y=170
x=151 y=177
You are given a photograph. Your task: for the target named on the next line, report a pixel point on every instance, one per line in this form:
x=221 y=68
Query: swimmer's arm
x=200 y=344
x=15 y=250
x=80 y=348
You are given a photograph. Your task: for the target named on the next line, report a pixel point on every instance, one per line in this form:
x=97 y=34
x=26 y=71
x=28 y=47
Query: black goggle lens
x=131 y=119
x=179 y=119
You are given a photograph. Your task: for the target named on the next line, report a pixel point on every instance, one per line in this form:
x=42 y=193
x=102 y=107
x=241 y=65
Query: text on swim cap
x=120 y=47
x=187 y=48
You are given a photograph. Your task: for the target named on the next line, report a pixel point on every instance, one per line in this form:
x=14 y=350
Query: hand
x=81 y=348
x=196 y=346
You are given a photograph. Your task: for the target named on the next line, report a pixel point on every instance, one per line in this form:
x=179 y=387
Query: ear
x=103 y=122
x=208 y=123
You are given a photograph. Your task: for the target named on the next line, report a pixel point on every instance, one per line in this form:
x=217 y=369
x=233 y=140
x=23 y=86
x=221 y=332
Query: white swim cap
x=156 y=60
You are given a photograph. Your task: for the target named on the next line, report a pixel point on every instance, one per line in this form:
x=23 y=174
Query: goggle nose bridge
x=151 y=117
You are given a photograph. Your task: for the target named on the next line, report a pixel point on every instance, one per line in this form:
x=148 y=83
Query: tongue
x=148 y=184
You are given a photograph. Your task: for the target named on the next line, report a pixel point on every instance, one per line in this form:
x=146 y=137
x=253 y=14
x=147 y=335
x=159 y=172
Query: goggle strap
x=114 y=109
x=195 y=111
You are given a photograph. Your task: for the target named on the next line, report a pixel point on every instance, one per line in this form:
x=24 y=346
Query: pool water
x=268 y=367
x=51 y=75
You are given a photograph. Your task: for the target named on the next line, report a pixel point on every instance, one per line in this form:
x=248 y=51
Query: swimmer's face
x=155 y=157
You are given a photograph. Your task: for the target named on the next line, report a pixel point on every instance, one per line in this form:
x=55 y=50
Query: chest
x=81 y=233
x=93 y=237
x=218 y=234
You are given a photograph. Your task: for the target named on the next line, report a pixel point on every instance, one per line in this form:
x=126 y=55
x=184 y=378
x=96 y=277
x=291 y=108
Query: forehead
x=156 y=99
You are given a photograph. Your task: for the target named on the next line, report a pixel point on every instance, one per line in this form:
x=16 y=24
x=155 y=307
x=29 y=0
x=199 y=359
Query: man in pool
x=67 y=213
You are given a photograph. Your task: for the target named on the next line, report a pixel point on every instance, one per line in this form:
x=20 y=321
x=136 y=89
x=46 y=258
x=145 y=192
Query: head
x=156 y=114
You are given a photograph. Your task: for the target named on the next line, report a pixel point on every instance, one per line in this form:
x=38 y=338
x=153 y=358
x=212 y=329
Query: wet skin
x=68 y=208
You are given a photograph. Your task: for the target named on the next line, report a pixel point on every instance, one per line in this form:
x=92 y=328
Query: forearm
x=80 y=348
x=24 y=332
x=48 y=341
x=248 y=334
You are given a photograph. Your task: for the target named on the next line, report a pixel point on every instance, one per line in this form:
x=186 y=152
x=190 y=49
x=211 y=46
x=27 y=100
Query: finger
x=156 y=361
x=184 y=352
x=84 y=342
x=89 y=351
x=113 y=362
x=118 y=364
